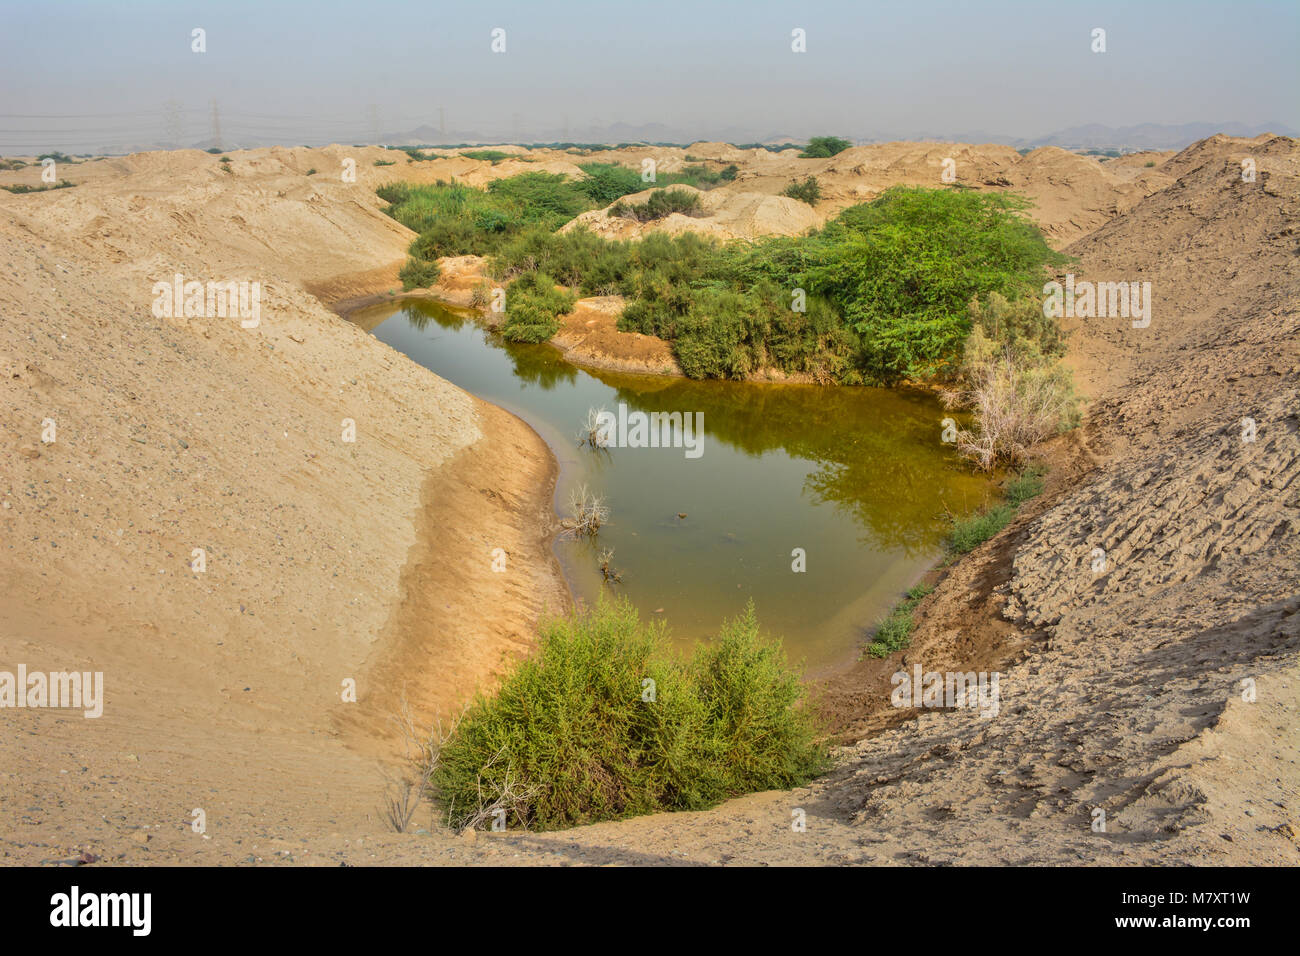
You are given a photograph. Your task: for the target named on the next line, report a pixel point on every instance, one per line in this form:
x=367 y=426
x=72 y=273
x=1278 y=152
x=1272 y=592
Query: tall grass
x=604 y=721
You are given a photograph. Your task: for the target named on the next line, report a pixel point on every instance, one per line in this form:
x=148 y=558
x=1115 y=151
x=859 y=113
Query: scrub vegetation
x=605 y=721
x=924 y=285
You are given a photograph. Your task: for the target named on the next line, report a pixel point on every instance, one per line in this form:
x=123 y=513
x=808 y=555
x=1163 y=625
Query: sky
x=85 y=75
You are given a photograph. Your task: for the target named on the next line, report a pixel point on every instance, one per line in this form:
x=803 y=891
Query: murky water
x=856 y=477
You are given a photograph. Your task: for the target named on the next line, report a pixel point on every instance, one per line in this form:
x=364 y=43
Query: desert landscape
x=329 y=560
x=701 y=436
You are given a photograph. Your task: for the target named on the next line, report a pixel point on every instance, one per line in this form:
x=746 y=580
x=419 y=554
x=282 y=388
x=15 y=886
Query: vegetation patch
x=43 y=188
x=533 y=308
x=970 y=532
x=809 y=191
x=659 y=205
x=492 y=156
x=894 y=632
x=824 y=147
x=919 y=284
x=1028 y=484
x=604 y=722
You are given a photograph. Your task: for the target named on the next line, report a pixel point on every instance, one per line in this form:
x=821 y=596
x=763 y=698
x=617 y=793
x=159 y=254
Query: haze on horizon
x=82 y=76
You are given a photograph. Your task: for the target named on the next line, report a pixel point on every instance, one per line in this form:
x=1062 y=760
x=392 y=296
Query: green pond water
x=856 y=477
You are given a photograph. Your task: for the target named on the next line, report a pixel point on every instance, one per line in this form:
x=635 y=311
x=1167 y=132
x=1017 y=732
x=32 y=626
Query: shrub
x=904 y=267
x=699 y=176
x=493 y=156
x=1019 y=324
x=607 y=182
x=385 y=162
x=588 y=512
x=824 y=147
x=809 y=191
x=604 y=722
x=659 y=205
x=419 y=274
x=1019 y=397
x=533 y=307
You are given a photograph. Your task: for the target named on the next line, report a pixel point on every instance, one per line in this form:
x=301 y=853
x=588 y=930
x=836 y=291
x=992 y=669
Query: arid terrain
x=1127 y=689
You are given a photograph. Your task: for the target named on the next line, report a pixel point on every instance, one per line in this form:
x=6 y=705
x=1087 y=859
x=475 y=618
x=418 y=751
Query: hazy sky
x=77 y=75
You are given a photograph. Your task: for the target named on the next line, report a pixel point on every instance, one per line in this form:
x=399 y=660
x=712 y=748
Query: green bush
x=385 y=162
x=577 y=733
x=486 y=155
x=809 y=191
x=419 y=274
x=824 y=147
x=659 y=205
x=607 y=182
x=533 y=308
x=904 y=267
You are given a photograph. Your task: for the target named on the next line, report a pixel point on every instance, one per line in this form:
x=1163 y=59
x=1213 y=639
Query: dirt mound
x=727 y=213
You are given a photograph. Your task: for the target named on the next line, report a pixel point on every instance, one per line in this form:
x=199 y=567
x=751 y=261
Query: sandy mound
x=726 y=214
